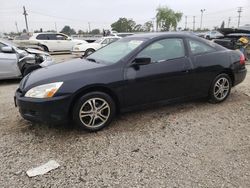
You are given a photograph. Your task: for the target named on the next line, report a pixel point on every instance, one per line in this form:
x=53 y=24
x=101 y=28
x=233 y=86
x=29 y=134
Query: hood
x=34 y=51
x=58 y=72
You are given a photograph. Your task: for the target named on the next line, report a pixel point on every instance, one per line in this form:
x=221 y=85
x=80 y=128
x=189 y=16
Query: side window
x=163 y=50
x=51 y=36
x=197 y=47
x=42 y=37
x=105 y=41
x=60 y=37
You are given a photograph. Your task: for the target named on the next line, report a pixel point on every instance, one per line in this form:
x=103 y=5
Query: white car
x=212 y=35
x=85 y=49
x=54 y=42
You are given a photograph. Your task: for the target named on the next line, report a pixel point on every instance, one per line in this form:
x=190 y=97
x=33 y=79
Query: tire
x=86 y=114
x=220 y=88
x=88 y=52
x=45 y=48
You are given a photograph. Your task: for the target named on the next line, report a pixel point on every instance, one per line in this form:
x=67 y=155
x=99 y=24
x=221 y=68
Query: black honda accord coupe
x=136 y=71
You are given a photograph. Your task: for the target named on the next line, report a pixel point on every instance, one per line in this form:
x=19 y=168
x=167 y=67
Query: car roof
x=162 y=34
x=107 y=37
x=35 y=34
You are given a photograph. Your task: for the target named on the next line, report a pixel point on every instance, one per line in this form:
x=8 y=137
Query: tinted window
x=42 y=37
x=197 y=47
x=60 y=37
x=164 y=50
x=46 y=37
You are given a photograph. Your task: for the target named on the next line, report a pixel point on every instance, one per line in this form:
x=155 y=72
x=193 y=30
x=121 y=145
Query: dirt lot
x=195 y=144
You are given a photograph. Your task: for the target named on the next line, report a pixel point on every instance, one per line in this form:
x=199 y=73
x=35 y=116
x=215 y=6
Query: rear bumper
x=52 y=110
x=239 y=76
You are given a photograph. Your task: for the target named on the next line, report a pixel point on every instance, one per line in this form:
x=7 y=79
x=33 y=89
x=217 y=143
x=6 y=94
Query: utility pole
x=89 y=27
x=153 y=22
x=55 y=27
x=202 y=11
x=17 y=30
x=25 y=16
x=185 y=22
x=193 y=23
x=229 y=20
x=239 y=11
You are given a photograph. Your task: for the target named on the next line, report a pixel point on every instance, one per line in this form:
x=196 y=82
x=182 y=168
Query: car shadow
x=9 y=82
x=122 y=123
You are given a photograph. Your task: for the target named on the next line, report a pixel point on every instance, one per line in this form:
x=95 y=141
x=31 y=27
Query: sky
x=79 y=14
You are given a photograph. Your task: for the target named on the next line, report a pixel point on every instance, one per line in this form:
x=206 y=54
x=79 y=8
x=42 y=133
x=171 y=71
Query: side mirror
x=142 y=61
x=7 y=49
x=69 y=38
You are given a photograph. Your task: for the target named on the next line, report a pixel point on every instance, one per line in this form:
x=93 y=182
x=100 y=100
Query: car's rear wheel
x=220 y=88
x=45 y=48
x=94 y=111
x=88 y=52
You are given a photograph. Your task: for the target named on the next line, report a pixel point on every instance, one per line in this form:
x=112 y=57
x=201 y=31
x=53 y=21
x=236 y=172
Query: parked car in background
x=15 y=62
x=231 y=38
x=135 y=71
x=85 y=49
x=212 y=35
x=55 y=42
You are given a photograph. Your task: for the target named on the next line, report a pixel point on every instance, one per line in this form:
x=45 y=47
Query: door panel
x=157 y=81
x=8 y=65
x=167 y=77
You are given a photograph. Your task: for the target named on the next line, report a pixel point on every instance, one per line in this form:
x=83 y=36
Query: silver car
x=16 y=62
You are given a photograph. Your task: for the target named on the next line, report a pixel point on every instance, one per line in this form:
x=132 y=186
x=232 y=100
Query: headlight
x=46 y=58
x=44 y=91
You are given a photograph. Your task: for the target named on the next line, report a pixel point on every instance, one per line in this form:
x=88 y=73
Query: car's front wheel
x=88 y=52
x=94 y=111
x=220 y=88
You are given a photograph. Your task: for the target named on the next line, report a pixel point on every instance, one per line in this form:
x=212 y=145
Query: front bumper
x=51 y=110
x=239 y=76
x=77 y=53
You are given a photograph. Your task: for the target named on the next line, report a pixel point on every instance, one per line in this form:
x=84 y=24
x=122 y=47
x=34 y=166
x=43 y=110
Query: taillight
x=242 y=59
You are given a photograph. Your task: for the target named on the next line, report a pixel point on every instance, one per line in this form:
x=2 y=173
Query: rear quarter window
x=197 y=47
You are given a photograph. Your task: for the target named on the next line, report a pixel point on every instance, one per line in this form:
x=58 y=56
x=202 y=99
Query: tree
x=148 y=26
x=68 y=31
x=166 y=18
x=80 y=32
x=95 y=31
x=123 y=25
x=222 y=25
x=138 y=28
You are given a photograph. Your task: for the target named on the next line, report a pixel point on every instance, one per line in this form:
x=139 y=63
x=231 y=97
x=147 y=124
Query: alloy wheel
x=94 y=112
x=221 y=88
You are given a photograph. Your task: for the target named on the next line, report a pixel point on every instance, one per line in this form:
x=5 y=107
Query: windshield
x=115 y=51
x=99 y=40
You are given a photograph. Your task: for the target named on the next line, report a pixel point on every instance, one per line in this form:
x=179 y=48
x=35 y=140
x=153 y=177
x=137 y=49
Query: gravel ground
x=195 y=144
